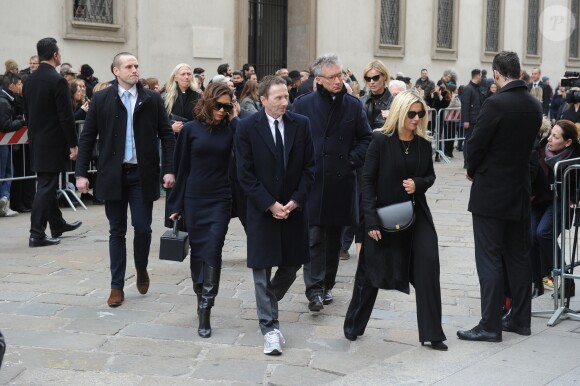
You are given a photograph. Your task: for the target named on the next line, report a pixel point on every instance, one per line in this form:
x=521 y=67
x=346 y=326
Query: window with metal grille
x=93 y=11
x=533 y=21
x=390 y=13
x=445 y=24
x=573 y=50
x=492 y=26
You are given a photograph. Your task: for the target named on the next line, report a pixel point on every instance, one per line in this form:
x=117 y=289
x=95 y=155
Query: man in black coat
x=471 y=101
x=499 y=153
x=275 y=163
x=341 y=135
x=53 y=141
x=546 y=89
x=128 y=121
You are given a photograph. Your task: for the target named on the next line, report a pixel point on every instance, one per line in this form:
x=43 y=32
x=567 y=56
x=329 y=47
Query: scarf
x=553 y=158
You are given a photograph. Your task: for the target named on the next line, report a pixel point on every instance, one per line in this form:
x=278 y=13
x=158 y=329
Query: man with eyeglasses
x=341 y=134
x=128 y=120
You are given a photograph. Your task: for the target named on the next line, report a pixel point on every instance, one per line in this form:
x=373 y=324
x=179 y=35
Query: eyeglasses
x=332 y=77
x=413 y=114
x=226 y=106
x=373 y=78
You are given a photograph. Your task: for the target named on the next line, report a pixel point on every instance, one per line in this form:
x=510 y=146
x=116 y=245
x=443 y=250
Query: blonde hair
x=546 y=126
x=379 y=67
x=398 y=112
x=171 y=88
x=100 y=86
x=537 y=93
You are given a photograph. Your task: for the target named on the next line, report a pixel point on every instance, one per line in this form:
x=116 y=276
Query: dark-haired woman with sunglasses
x=202 y=192
x=399 y=168
x=377 y=100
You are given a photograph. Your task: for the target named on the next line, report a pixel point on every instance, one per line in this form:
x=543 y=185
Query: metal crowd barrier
x=566 y=224
x=449 y=129
x=20 y=138
x=432 y=128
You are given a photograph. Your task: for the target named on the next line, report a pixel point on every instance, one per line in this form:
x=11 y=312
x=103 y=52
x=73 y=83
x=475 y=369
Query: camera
x=571 y=79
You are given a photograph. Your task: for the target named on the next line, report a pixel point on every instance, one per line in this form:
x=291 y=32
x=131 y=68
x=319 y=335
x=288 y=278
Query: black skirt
x=206 y=221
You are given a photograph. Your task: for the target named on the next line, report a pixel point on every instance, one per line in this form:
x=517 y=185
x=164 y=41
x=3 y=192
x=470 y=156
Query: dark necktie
x=279 y=149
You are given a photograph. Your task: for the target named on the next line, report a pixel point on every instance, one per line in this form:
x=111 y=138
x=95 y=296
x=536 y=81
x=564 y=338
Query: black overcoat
x=107 y=119
x=387 y=262
x=341 y=135
x=273 y=242
x=49 y=117
x=499 y=152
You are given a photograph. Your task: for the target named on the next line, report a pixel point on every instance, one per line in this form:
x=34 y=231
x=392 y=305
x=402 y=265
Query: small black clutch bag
x=174 y=245
x=397 y=217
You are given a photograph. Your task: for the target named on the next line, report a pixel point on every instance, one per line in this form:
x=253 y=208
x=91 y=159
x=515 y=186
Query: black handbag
x=174 y=245
x=397 y=217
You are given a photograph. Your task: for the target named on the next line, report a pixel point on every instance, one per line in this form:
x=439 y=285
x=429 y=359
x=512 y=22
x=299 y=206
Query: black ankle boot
x=204 y=329
x=211 y=282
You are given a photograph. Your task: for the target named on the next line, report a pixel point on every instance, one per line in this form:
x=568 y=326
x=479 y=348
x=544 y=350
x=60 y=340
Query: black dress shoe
x=67 y=227
x=479 y=334
x=43 y=242
x=327 y=298
x=437 y=345
x=506 y=325
x=315 y=303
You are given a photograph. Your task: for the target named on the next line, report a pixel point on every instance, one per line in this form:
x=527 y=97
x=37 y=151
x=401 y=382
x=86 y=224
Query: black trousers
x=425 y=279
x=45 y=206
x=497 y=243
x=22 y=191
x=320 y=272
x=269 y=292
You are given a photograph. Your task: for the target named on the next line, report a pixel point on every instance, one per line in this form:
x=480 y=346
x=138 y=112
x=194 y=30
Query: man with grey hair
x=341 y=134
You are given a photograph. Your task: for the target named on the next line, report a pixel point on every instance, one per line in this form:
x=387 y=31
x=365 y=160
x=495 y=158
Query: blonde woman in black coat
x=398 y=168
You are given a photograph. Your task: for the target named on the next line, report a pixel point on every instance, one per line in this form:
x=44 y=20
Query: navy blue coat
x=107 y=119
x=341 y=135
x=273 y=242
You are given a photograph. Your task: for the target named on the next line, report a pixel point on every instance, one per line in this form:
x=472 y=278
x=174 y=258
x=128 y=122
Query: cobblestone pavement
x=59 y=329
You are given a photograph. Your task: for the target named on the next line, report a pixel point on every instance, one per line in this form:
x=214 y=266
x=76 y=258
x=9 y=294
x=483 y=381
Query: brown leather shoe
x=116 y=297
x=142 y=281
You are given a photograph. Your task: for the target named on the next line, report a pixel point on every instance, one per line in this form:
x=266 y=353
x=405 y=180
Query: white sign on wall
x=208 y=42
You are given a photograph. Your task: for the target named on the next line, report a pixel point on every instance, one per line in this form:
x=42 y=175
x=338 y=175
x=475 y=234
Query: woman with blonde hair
x=180 y=96
x=377 y=100
x=399 y=168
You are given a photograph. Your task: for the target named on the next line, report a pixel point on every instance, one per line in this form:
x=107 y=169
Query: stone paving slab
x=60 y=332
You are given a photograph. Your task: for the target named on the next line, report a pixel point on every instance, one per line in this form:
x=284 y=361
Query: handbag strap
x=175 y=231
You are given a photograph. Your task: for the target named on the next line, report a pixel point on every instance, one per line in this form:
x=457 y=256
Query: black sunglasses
x=413 y=114
x=226 y=106
x=375 y=78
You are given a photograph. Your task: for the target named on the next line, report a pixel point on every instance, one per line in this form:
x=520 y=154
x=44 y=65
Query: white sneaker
x=272 y=342
x=10 y=213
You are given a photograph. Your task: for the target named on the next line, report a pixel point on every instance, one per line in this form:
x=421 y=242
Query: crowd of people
x=305 y=160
